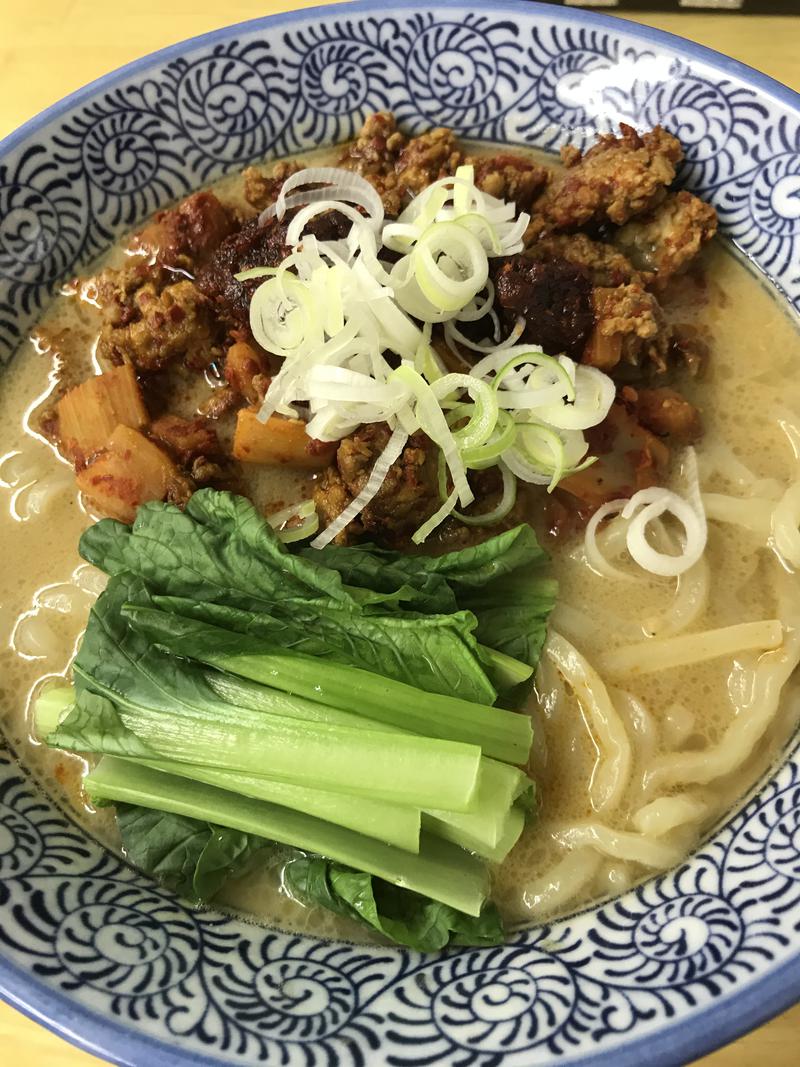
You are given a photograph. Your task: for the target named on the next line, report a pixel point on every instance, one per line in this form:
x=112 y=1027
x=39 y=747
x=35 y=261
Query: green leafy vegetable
x=501 y=734
x=163 y=708
x=337 y=702
x=190 y=857
x=222 y=562
x=440 y=870
x=498 y=581
x=405 y=917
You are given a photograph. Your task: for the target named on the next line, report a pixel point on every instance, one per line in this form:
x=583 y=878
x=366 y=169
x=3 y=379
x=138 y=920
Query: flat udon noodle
x=561 y=884
x=37 y=633
x=643 y=732
x=755 y=693
x=663 y=826
x=643 y=849
x=35 y=482
x=612 y=770
x=669 y=653
x=687 y=606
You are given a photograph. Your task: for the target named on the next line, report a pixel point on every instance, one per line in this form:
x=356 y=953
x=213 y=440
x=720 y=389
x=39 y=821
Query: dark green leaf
x=190 y=857
x=220 y=550
x=436 y=653
x=399 y=914
x=403 y=579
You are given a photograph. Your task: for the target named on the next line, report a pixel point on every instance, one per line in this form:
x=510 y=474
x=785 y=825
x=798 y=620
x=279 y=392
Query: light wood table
x=50 y=47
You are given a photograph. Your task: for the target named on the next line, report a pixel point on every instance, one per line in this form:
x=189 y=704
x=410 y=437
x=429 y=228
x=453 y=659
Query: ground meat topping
x=605 y=265
x=426 y=158
x=255 y=245
x=409 y=494
x=665 y=412
x=374 y=154
x=186 y=235
x=262 y=189
x=165 y=325
x=666 y=241
x=185 y=439
x=510 y=177
x=633 y=317
x=615 y=180
x=554 y=298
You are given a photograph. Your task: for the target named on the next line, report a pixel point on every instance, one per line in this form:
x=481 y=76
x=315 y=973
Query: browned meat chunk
x=374 y=154
x=510 y=177
x=187 y=234
x=432 y=155
x=665 y=412
x=115 y=290
x=159 y=327
x=667 y=240
x=408 y=496
x=629 y=326
x=255 y=246
x=554 y=298
x=221 y=400
x=615 y=180
x=605 y=265
x=331 y=497
x=261 y=188
x=185 y=439
x=245 y=371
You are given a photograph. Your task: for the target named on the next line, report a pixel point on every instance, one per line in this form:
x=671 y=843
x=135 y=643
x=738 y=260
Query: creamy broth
x=674 y=719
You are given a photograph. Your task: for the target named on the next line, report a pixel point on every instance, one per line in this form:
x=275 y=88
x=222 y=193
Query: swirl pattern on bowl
x=143 y=967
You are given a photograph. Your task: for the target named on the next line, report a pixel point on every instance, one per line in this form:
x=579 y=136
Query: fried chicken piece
x=665 y=412
x=261 y=188
x=509 y=176
x=669 y=238
x=374 y=155
x=629 y=326
x=615 y=180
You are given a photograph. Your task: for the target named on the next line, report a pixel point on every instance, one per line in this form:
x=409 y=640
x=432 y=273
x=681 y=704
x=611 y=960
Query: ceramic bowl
x=94 y=950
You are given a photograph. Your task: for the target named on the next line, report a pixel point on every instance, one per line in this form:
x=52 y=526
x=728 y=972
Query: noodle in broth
x=635 y=760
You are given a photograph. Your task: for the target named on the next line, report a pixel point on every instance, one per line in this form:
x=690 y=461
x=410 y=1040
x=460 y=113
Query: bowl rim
x=735 y=67
x=685 y=1038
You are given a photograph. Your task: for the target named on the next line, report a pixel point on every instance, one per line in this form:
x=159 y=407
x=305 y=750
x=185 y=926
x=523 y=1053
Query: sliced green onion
x=301 y=510
x=504 y=506
x=435 y=520
x=501 y=439
x=255 y=272
x=545 y=454
x=595 y=392
x=548 y=381
x=478 y=225
x=444 y=251
x=483 y=410
x=432 y=421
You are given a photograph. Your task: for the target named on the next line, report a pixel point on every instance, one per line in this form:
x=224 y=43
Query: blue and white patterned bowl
x=92 y=949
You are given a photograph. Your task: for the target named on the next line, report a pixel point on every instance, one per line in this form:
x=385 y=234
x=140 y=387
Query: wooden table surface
x=50 y=47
